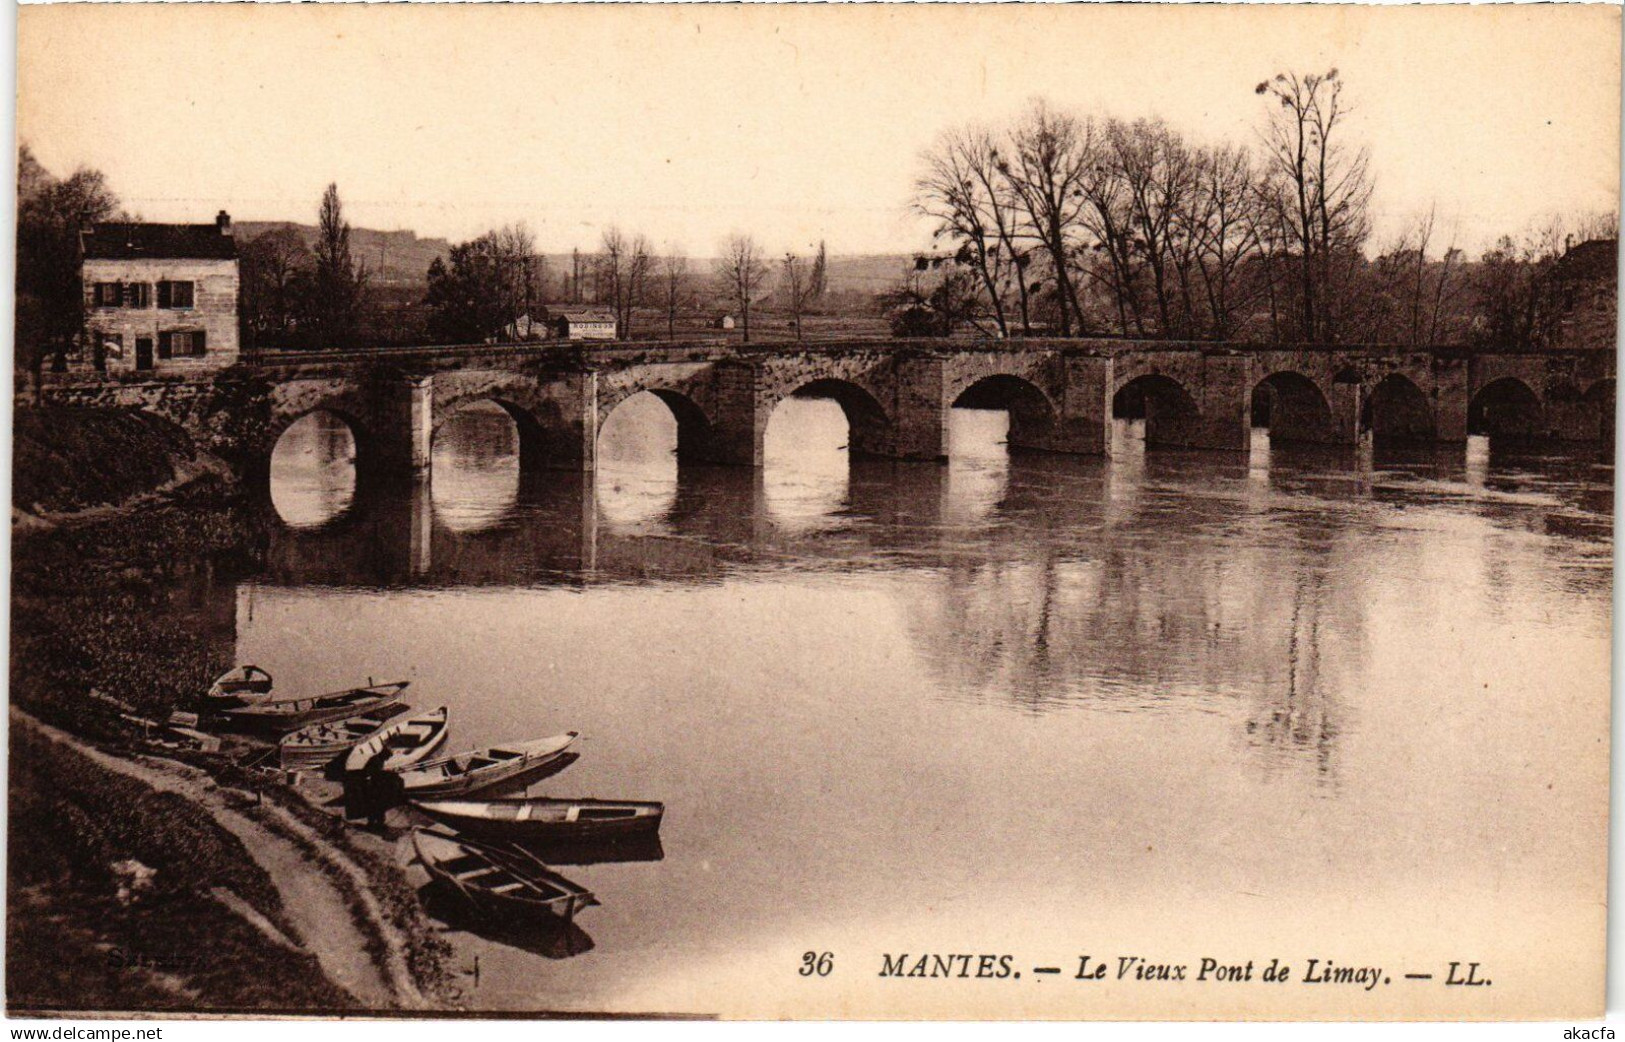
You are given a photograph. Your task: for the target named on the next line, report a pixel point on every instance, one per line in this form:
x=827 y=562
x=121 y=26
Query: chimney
x=222 y=220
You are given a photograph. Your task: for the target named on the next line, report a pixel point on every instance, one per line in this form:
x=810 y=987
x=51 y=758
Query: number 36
x=817 y=963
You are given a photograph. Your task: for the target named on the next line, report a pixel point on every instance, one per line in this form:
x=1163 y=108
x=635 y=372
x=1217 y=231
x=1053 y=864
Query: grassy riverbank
x=125 y=612
x=72 y=943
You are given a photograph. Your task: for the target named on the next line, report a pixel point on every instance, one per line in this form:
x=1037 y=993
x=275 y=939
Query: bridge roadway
x=1061 y=395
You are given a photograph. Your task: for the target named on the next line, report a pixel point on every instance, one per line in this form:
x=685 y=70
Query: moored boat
x=240 y=686
x=408 y=741
x=498 y=881
x=290 y=714
x=319 y=744
x=471 y=771
x=547 y=819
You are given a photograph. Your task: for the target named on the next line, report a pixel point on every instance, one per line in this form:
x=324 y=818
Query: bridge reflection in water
x=1182 y=673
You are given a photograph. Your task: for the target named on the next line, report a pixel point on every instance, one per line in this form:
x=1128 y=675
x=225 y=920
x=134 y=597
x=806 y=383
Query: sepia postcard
x=926 y=512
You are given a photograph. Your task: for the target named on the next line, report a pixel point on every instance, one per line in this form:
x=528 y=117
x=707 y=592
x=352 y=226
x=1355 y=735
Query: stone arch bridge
x=1061 y=395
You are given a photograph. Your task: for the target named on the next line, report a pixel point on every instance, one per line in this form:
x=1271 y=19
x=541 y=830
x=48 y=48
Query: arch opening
x=1506 y=410
x=1157 y=410
x=1292 y=409
x=477 y=458
x=1029 y=418
x=313 y=469
x=868 y=428
x=641 y=443
x=1396 y=412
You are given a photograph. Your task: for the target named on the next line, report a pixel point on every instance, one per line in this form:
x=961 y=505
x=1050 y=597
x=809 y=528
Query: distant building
x=578 y=323
x=161 y=296
x=525 y=327
x=1586 y=284
x=724 y=322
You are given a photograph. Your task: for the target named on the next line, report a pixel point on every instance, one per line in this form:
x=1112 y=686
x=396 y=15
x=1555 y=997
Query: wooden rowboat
x=497 y=880
x=290 y=714
x=468 y=772
x=240 y=686
x=320 y=744
x=408 y=740
x=547 y=819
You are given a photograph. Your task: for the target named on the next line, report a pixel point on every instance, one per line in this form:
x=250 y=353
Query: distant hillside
x=399 y=257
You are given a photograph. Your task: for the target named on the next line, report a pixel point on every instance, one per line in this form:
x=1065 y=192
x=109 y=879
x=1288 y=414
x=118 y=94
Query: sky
x=793 y=124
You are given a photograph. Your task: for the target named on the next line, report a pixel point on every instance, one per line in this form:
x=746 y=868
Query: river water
x=1296 y=704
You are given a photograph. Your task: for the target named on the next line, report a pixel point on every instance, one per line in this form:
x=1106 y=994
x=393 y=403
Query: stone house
x=160 y=296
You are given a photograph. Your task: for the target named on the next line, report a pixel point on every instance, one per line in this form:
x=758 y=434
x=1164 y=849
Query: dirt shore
x=122 y=856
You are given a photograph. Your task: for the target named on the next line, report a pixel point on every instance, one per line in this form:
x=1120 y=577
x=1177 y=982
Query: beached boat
x=320 y=744
x=408 y=741
x=547 y=819
x=290 y=714
x=467 y=772
x=499 y=881
x=240 y=686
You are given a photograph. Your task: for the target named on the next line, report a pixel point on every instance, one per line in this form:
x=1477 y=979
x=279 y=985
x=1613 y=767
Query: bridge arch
x=1293 y=407
x=1506 y=408
x=1167 y=407
x=1033 y=415
x=869 y=427
x=312 y=472
x=1396 y=411
x=695 y=432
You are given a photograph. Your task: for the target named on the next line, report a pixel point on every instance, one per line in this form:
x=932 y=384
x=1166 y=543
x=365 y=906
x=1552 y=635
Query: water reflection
x=806 y=473
x=978 y=463
x=1188 y=673
x=637 y=463
x=313 y=475
x=476 y=467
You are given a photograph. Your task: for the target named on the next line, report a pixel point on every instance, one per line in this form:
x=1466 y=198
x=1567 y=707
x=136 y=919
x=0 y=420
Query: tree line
x=1060 y=223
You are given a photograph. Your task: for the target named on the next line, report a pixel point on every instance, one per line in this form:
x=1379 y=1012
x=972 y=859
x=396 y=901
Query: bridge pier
x=1451 y=398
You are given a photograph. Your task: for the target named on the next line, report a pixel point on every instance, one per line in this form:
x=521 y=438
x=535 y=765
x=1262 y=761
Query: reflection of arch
x=1397 y=411
x=1293 y=408
x=1599 y=397
x=317 y=486
x=1032 y=416
x=869 y=427
x=1506 y=408
x=1169 y=411
x=694 y=431
x=535 y=442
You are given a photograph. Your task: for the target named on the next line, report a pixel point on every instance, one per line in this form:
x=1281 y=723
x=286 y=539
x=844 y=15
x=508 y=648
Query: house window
x=181 y=343
x=109 y=294
x=137 y=295
x=175 y=295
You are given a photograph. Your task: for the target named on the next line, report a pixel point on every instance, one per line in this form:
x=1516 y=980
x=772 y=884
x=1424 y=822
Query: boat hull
x=592 y=822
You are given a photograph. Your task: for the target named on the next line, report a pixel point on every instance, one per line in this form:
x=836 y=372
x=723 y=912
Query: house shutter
x=166 y=344
x=164 y=294
x=197 y=342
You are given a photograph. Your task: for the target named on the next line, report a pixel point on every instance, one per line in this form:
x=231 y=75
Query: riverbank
x=84 y=464
x=122 y=854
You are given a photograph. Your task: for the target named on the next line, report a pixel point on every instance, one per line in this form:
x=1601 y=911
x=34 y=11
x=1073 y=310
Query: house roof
x=122 y=241
x=1593 y=259
x=582 y=314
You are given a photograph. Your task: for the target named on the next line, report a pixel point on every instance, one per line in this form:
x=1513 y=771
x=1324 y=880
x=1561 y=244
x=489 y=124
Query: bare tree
x=975 y=207
x=742 y=272
x=796 y=282
x=674 y=286
x=1321 y=189
x=1052 y=162
x=624 y=267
